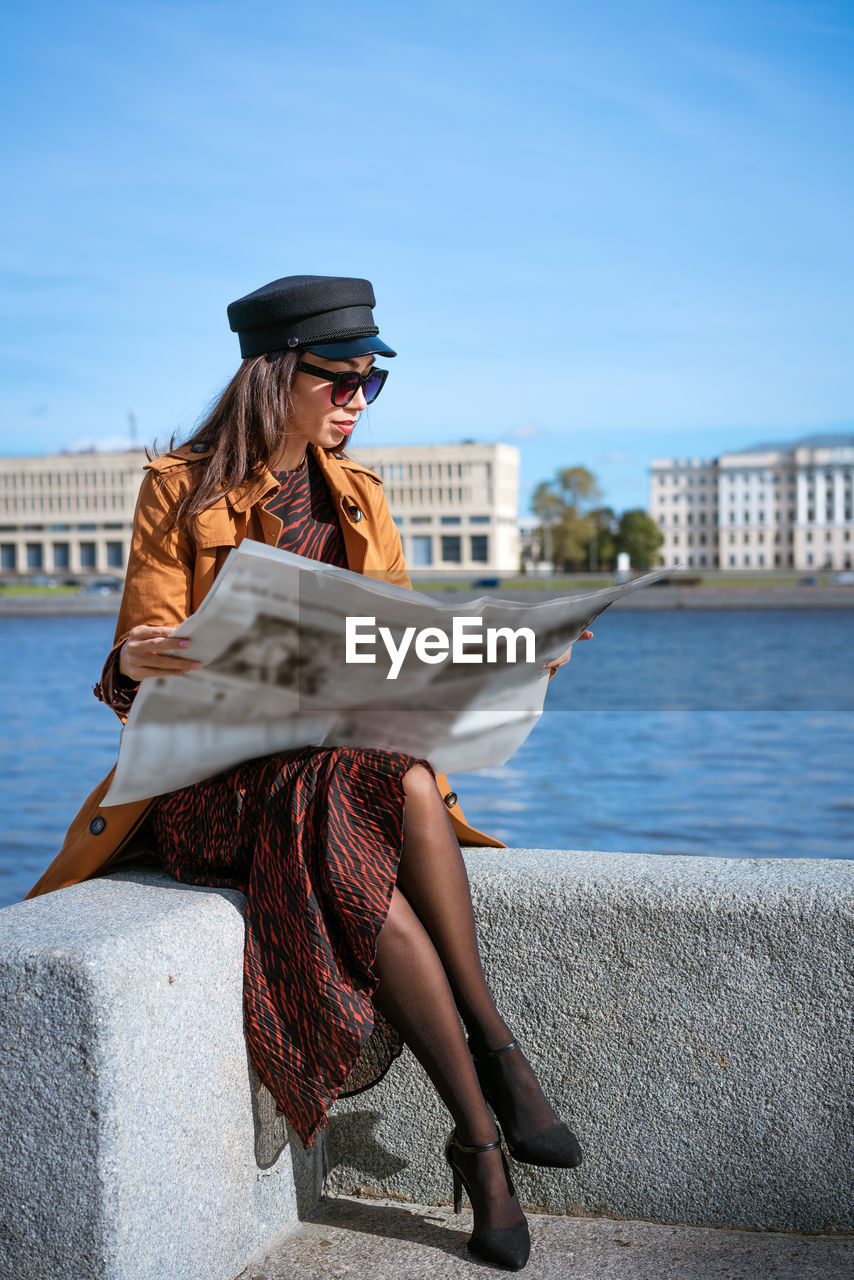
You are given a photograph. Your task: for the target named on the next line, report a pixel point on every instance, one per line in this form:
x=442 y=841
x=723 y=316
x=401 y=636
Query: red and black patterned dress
x=312 y=838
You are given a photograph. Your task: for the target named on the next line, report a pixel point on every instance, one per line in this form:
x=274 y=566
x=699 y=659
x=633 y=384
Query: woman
x=359 y=933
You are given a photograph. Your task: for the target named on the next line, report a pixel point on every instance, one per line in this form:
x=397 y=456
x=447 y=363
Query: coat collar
x=337 y=471
x=215 y=525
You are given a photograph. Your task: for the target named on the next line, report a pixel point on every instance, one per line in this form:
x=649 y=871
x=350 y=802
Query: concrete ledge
x=690 y=1017
x=138 y=1142
x=366 y=1239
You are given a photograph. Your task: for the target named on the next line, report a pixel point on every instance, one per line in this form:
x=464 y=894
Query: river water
x=716 y=733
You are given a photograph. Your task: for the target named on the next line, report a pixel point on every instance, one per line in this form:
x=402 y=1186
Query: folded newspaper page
x=300 y=653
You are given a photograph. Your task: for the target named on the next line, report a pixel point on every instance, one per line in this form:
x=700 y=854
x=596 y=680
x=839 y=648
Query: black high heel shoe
x=507 y=1247
x=554 y=1147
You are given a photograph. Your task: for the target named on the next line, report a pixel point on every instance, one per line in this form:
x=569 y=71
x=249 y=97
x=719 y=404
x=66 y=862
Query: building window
x=87 y=555
x=115 y=555
x=452 y=548
x=446 y=520
x=479 y=519
x=35 y=557
x=480 y=548
x=8 y=557
x=809 y=557
x=732 y=560
x=61 y=559
x=420 y=519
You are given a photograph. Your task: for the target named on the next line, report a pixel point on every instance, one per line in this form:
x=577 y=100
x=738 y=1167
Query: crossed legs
x=430 y=976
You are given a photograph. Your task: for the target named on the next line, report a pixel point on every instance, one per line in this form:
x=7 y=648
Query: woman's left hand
x=565 y=657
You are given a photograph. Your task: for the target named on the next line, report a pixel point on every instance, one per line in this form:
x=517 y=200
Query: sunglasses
x=346 y=384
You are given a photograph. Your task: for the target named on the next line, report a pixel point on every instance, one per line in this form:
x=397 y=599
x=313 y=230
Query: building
x=68 y=513
x=773 y=506
x=72 y=513
x=456 y=505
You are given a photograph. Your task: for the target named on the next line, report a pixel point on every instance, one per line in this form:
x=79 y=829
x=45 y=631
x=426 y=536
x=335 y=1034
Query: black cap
x=328 y=314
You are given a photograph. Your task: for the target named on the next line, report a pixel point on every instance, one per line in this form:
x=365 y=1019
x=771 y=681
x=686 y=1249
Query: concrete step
x=385 y=1240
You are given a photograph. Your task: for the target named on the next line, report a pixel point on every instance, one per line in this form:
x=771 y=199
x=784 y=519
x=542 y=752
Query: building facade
x=68 y=513
x=72 y=513
x=456 y=505
x=776 y=506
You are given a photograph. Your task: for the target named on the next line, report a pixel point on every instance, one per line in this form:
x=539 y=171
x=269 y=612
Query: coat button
x=96 y=826
x=451 y=799
x=199 y=447
x=355 y=514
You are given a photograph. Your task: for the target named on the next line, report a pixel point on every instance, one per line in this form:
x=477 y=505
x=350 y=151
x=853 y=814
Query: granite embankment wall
x=669 y=597
x=690 y=1017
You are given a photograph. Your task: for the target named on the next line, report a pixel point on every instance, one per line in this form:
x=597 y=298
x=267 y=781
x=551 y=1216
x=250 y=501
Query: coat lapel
x=355 y=521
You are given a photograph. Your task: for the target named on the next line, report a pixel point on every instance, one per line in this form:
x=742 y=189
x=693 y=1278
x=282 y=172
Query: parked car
x=844 y=578
x=809 y=581
x=486 y=582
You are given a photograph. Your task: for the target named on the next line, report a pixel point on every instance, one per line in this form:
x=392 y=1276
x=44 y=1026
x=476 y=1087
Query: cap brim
x=352 y=347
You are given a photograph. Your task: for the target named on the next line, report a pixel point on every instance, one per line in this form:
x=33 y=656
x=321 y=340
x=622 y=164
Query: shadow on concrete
x=387 y=1222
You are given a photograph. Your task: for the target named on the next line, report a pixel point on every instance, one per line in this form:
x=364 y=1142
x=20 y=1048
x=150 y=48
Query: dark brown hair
x=245 y=427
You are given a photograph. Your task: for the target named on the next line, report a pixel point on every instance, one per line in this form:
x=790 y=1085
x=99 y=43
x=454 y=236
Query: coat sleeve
x=158 y=583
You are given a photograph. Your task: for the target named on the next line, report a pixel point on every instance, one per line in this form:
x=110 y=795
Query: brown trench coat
x=169 y=575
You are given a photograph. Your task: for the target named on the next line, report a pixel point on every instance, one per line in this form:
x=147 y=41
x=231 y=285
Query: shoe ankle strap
x=470 y=1151
x=493 y=1053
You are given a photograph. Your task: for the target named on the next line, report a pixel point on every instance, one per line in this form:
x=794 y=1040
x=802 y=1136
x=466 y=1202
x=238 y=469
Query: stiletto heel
x=458 y=1191
x=507 y=1247
x=554 y=1147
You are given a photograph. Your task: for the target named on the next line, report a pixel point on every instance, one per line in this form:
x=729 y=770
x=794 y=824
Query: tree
x=640 y=536
x=563 y=506
x=601 y=532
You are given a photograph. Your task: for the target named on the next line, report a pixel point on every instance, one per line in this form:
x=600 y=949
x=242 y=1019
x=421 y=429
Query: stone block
x=690 y=1017
x=138 y=1142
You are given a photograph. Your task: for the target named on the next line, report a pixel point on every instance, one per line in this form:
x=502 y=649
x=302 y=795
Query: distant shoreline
x=669 y=597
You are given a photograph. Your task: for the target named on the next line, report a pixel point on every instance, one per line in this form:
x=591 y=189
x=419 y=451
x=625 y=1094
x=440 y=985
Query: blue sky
x=603 y=233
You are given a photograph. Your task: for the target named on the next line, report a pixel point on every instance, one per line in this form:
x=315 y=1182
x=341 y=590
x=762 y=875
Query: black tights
x=430 y=976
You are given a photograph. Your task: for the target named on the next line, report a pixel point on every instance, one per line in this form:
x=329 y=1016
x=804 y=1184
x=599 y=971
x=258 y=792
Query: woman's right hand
x=144 y=654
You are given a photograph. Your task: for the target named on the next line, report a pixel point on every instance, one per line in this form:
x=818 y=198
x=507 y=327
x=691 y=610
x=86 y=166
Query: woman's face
x=314 y=419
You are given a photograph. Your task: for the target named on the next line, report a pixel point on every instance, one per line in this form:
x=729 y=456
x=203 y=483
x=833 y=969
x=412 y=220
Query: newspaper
x=300 y=653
